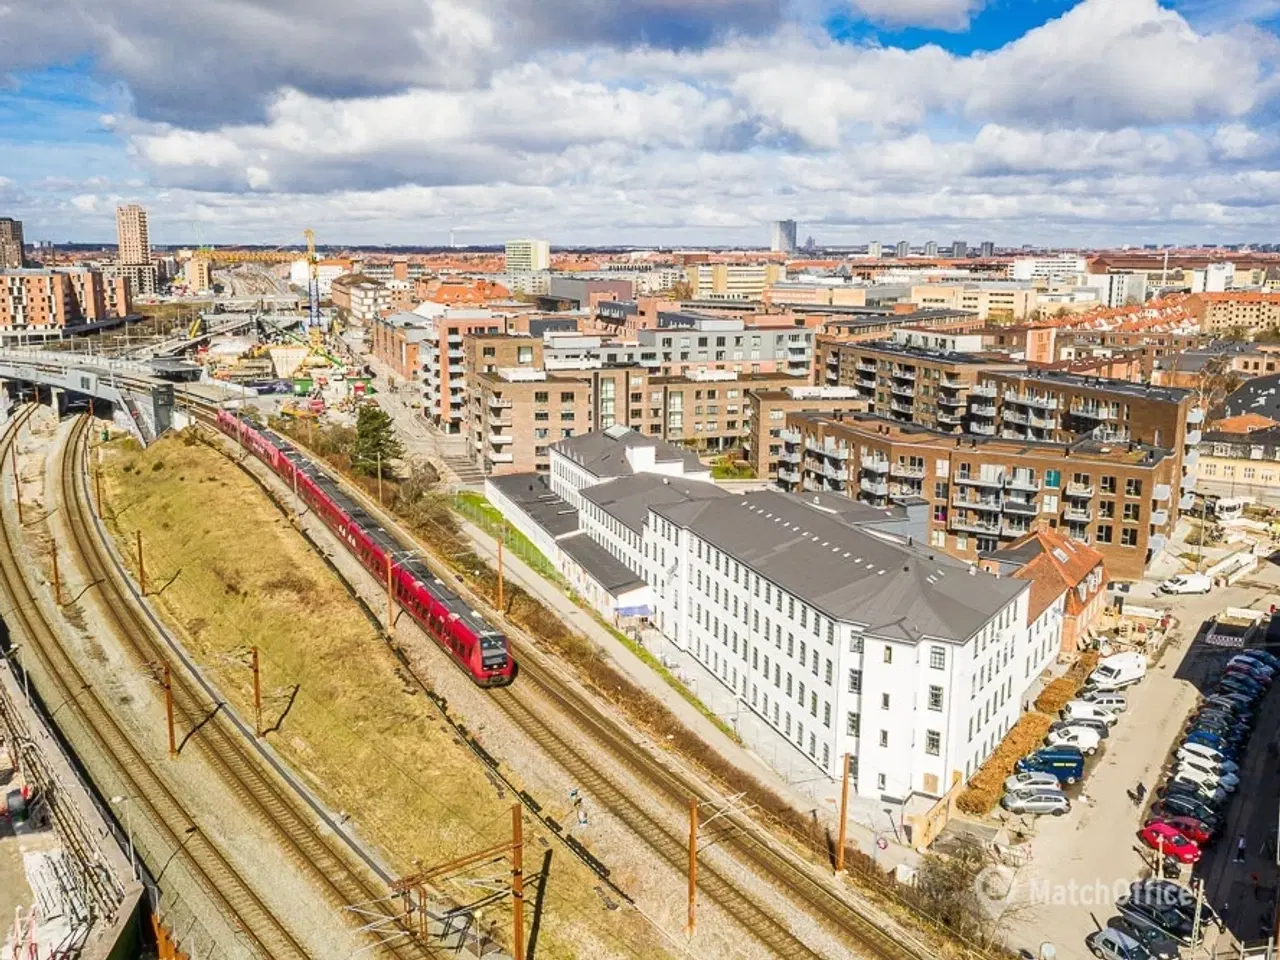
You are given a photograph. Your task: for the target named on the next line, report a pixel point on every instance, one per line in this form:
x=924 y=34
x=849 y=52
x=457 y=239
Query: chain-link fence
x=484 y=515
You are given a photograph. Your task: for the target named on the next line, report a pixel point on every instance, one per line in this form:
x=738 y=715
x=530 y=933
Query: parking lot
x=1081 y=861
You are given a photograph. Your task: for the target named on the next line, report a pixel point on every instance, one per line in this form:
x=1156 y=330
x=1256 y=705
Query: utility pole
x=379 y=478
x=693 y=866
x=517 y=881
x=168 y=710
x=57 y=580
x=17 y=480
x=391 y=602
x=257 y=696
x=142 y=571
x=844 y=817
x=502 y=608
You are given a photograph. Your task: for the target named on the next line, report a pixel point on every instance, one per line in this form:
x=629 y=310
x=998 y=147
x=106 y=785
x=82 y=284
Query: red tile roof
x=1062 y=565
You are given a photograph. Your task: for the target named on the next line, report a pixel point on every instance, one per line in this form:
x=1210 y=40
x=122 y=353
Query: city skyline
x=1089 y=124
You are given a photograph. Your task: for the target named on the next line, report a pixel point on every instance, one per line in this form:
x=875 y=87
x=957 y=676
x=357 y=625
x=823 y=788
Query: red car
x=1191 y=828
x=1162 y=836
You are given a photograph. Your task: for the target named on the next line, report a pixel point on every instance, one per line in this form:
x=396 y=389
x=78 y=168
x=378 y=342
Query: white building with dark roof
x=619 y=451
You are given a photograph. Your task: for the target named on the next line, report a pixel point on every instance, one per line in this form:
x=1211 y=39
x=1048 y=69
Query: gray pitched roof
x=610 y=573
x=897 y=590
x=603 y=452
x=628 y=498
x=1259 y=395
x=529 y=491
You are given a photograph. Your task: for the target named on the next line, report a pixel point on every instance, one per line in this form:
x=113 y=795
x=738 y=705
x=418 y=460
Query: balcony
x=1187 y=502
x=989 y=527
x=1077 y=514
x=945 y=401
x=456 y=355
x=1093 y=412
x=788 y=476
x=500 y=439
x=865 y=379
x=1156 y=543
x=878 y=488
x=904 y=373
x=497 y=403
x=983 y=429
x=868 y=366
x=903 y=408
x=902 y=390
x=1009 y=528
x=797 y=348
x=813 y=485
x=1195 y=416
x=787 y=435
x=1025 y=508
x=1012 y=416
x=953 y=419
x=1022 y=481
x=1080 y=491
x=1188 y=483
x=835 y=473
x=1191 y=458
x=981 y=480
x=907 y=470
x=833 y=360
x=1160 y=492
x=1044 y=423
x=875 y=464
x=1193 y=437
x=827 y=449
x=987 y=504
x=1159 y=518
x=496 y=457
x=789 y=456
x=983 y=409
x=984 y=390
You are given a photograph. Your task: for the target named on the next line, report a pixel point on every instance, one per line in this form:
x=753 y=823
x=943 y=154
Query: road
x=1083 y=860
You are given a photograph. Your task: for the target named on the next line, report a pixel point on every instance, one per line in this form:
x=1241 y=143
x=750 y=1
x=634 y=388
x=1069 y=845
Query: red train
x=478 y=648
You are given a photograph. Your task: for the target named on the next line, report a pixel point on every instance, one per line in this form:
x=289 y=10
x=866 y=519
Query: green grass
x=726 y=468
x=477 y=508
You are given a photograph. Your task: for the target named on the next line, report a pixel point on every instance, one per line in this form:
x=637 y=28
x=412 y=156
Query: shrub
x=1055 y=696
x=987 y=786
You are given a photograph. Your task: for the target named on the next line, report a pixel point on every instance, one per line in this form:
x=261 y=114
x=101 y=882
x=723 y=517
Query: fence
x=484 y=515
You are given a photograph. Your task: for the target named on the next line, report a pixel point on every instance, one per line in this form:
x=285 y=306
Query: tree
x=1217 y=381
x=376 y=440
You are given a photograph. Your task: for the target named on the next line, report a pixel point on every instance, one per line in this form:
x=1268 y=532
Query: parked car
x=1107 y=700
x=1118 y=671
x=1188 y=583
x=1262 y=671
x=1097 y=726
x=1085 y=710
x=1173 y=894
x=1065 y=763
x=1213 y=755
x=1226 y=748
x=1227 y=712
x=1177 y=805
x=1241 y=701
x=1159 y=946
x=1168 y=920
x=1052 y=802
x=1032 y=778
x=1189 y=827
x=1159 y=835
x=1206 y=778
x=1239 y=683
x=1263 y=680
x=1213 y=799
x=1265 y=656
x=1074 y=736
x=1198 y=761
x=1112 y=944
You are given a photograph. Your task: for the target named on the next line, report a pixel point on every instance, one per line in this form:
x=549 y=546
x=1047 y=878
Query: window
x=1129 y=537
x=884 y=701
x=1104 y=533
x=932 y=742
x=935 y=698
x=888 y=654
x=855 y=643
x=855 y=681
x=884 y=738
x=1133 y=488
x=882 y=782
x=540 y=396
x=1107 y=508
x=826 y=715
x=1132 y=511
x=1108 y=484
x=937 y=658
x=1053 y=479
x=566 y=396
x=852 y=723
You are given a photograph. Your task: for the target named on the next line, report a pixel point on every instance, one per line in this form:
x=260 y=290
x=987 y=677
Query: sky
x=672 y=122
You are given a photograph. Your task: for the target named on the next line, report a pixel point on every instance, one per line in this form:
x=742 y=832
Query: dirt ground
x=231 y=573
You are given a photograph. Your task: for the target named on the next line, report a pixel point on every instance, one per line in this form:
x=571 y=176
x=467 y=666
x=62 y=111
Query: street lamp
x=128 y=827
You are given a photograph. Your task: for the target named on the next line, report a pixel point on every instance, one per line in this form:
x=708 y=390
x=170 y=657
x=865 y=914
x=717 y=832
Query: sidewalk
x=816 y=794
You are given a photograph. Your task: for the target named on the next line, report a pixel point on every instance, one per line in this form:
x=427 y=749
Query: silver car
x=1032 y=778
x=1037 y=802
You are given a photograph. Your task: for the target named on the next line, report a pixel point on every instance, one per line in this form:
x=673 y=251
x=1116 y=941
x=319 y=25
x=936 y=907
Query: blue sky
x=586 y=121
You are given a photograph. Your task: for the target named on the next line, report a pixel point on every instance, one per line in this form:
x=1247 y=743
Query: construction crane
x=313 y=281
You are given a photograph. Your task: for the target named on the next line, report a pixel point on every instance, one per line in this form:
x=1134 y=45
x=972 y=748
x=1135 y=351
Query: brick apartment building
x=1220 y=312
x=11 y=255
x=518 y=411
x=362 y=297
x=991 y=300
x=976 y=493
x=35 y=300
x=769 y=409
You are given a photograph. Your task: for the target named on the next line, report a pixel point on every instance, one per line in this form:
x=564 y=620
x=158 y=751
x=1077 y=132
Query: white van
x=1083 y=710
x=1119 y=671
x=1188 y=583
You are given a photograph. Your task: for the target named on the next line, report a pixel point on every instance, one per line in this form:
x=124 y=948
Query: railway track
x=739 y=834
x=260 y=928
x=303 y=829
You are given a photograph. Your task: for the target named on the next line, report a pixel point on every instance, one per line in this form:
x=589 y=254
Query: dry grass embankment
x=235 y=574
x=427 y=515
